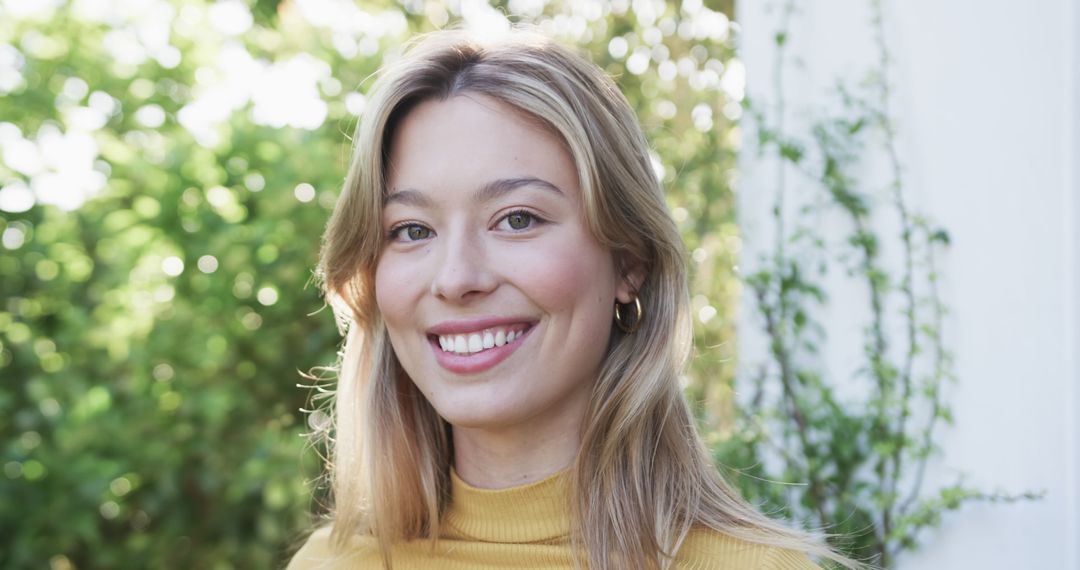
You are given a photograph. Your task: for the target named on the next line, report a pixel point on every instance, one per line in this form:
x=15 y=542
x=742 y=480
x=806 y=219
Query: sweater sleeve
x=706 y=549
x=780 y=559
x=316 y=553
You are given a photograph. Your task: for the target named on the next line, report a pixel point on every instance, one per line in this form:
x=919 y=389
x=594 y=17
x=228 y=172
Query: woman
x=515 y=300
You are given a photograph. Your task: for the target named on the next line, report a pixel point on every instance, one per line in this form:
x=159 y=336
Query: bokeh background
x=166 y=170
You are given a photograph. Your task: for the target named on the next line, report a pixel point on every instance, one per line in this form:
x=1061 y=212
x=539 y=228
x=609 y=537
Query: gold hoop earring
x=620 y=320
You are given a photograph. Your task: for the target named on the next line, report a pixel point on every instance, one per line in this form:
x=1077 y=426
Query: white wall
x=988 y=105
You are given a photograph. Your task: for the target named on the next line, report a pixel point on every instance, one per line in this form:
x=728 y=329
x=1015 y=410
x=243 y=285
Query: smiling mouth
x=467 y=344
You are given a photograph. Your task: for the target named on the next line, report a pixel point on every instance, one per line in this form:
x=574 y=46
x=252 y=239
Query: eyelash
x=393 y=234
x=522 y=212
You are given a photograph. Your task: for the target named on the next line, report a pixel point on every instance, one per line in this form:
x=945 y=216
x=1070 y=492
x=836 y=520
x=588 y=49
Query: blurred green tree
x=166 y=169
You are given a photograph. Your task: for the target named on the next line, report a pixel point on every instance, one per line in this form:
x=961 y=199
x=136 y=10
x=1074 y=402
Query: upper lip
x=462 y=326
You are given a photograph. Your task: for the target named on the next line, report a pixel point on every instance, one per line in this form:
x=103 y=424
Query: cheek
x=396 y=287
x=394 y=290
x=569 y=275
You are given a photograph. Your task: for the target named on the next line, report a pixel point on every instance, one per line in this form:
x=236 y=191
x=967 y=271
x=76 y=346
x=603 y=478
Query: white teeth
x=478 y=341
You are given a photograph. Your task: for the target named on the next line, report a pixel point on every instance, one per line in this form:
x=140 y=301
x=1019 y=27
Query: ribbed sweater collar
x=534 y=512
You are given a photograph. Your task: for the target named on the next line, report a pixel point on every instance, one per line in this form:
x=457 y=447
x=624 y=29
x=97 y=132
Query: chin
x=472 y=411
x=481 y=421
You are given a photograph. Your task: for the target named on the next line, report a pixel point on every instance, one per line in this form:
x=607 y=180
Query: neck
x=497 y=459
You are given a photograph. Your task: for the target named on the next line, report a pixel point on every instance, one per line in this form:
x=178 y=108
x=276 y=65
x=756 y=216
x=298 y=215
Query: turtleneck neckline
x=533 y=512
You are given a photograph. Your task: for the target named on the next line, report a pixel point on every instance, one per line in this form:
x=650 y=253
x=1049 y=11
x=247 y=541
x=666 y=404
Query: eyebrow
x=487 y=193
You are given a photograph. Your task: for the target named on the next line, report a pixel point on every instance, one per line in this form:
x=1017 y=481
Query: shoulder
x=317 y=553
x=708 y=549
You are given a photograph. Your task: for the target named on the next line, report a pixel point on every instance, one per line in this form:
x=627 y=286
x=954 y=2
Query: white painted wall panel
x=988 y=107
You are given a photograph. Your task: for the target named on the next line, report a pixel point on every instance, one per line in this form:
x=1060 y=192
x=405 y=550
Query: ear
x=631 y=276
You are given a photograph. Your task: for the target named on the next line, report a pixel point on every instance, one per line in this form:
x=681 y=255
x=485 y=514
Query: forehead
x=466 y=141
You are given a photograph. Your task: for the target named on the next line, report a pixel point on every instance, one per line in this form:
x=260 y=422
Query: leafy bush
x=166 y=172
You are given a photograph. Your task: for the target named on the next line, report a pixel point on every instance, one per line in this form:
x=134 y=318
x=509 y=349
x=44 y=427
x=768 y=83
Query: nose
x=462 y=272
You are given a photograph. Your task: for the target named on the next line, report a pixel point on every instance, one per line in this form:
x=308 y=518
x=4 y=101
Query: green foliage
x=155 y=297
x=856 y=464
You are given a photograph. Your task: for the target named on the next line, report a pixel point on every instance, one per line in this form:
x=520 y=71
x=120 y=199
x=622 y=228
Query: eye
x=519 y=220
x=410 y=232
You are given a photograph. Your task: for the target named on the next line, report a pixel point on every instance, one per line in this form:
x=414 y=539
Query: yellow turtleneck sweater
x=524 y=527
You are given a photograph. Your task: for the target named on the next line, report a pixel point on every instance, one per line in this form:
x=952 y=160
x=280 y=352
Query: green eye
x=519 y=220
x=417 y=232
x=410 y=232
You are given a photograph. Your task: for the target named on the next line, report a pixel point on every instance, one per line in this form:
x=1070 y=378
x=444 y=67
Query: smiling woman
x=494 y=246
x=513 y=294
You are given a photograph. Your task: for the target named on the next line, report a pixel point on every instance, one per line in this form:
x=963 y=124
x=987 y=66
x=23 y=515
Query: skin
x=453 y=253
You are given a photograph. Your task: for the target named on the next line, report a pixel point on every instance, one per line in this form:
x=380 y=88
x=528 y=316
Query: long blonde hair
x=643 y=477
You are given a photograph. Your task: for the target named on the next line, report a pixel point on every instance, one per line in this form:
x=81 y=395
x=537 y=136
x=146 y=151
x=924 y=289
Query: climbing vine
x=858 y=451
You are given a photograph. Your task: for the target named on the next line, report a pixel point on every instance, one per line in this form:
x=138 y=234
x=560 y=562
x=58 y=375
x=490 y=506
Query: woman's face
x=497 y=298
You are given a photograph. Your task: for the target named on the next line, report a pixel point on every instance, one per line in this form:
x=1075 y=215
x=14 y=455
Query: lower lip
x=479 y=361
